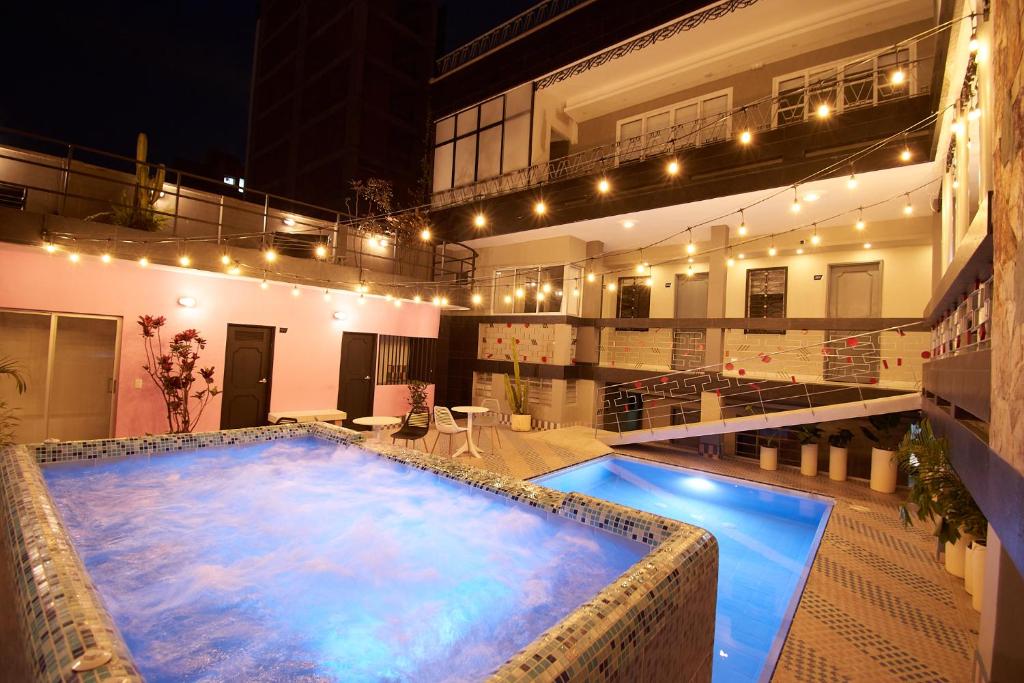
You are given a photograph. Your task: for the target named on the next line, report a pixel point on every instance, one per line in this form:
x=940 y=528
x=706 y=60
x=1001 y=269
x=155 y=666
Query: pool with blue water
x=305 y=560
x=767 y=539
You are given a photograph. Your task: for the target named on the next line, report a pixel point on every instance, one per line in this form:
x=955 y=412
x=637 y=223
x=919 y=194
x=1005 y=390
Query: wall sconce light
x=187 y=301
x=340 y=315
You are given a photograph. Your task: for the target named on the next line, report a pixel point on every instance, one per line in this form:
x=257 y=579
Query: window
x=685 y=124
x=536 y=289
x=483 y=385
x=484 y=141
x=401 y=360
x=634 y=298
x=570 y=392
x=847 y=84
x=766 y=295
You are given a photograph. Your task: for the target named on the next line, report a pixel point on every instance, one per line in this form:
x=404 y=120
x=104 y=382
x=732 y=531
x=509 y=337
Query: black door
x=355 y=380
x=249 y=361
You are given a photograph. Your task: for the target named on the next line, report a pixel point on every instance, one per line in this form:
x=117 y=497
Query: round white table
x=378 y=422
x=469 y=412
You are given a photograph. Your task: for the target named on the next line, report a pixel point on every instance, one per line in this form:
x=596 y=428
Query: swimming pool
x=767 y=538
x=304 y=559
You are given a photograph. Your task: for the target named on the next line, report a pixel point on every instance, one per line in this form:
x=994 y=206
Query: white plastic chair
x=446 y=426
x=489 y=420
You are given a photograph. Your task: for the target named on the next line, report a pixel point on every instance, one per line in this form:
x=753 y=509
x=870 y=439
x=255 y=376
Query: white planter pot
x=769 y=458
x=521 y=423
x=837 y=463
x=809 y=459
x=883 y=471
x=956 y=555
x=978 y=554
x=969 y=570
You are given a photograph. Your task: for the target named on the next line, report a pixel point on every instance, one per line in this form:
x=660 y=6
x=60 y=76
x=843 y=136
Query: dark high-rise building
x=339 y=93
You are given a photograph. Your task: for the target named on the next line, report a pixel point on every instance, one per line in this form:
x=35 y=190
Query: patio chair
x=414 y=428
x=446 y=426
x=489 y=420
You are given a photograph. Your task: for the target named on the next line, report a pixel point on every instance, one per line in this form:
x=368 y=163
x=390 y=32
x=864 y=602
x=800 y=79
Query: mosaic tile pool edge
x=654 y=623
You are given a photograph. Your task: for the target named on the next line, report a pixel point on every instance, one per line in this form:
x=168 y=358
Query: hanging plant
x=174 y=373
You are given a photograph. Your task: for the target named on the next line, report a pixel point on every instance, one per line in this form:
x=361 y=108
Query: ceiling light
x=289 y=221
x=772 y=251
x=905 y=155
x=741 y=256
x=628 y=224
x=743 y=225
x=398 y=303
x=591 y=277
x=50 y=247
x=908 y=208
x=691 y=248
x=641 y=268
x=74 y=257
x=234 y=270
x=444 y=301
x=815 y=239
x=730 y=262
x=436 y=301
x=649 y=282
x=417 y=299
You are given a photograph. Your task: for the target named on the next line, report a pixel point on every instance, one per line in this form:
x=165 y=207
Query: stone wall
x=1007 y=429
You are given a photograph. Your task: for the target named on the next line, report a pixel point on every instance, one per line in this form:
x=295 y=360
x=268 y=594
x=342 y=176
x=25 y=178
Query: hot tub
x=291 y=553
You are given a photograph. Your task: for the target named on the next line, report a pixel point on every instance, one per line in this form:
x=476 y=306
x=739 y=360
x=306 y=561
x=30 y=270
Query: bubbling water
x=302 y=560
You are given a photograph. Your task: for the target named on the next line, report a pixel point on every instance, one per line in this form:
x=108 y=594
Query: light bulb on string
x=604 y=186
x=547 y=288
x=649 y=282
x=234 y=269
x=225 y=259
x=327 y=295
x=908 y=208
x=823 y=110
x=730 y=261
x=184 y=261
x=746 y=137
x=480 y=220
x=906 y=154
x=425 y=234
x=520 y=293
x=591 y=277
x=799 y=250
x=851 y=182
x=973 y=45
x=508 y=298
x=612 y=287
x=264 y=284
x=295 y=290
x=361 y=300
x=270 y=255
x=691 y=248
x=672 y=168
x=860 y=224
x=74 y=256
x=742 y=229
x=898 y=76
x=974 y=113
x=541 y=296
x=795 y=206
x=689 y=271
x=867 y=245
x=815 y=239
x=398 y=303
x=772 y=251
x=320 y=251
x=540 y=208
x=105 y=257
x=444 y=301
x=143 y=261
x=50 y=247
x=417 y=299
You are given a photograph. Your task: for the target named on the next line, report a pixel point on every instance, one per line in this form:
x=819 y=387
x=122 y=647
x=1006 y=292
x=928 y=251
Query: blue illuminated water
x=302 y=560
x=766 y=537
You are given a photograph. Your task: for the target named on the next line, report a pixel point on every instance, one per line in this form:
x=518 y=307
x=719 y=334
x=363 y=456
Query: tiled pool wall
x=654 y=623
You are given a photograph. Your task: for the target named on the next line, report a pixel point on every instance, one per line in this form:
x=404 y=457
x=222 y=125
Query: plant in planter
x=808 y=436
x=417 y=396
x=8 y=420
x=518 y=394
x=937 y=493
x=838 y=443
x=769 y=451
x=173 y=373
x=136 y=207
x=886 y=434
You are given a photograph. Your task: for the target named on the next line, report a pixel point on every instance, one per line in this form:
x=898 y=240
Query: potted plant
x=808 y=436
x=8 y=420
x=885 y=434
x=174 y=372
x=937 y=493
x=518 y=394
x=417 y=396
x=837 y=454
x=769 y=452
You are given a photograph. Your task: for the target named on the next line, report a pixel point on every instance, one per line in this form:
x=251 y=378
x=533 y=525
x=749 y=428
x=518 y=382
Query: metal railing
x=965 y=328
x=55 y=177
x=808 y=371
x=862 y=89
x=517 y=26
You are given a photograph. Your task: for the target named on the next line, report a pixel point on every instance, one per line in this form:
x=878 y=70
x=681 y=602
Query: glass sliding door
x=70 y=364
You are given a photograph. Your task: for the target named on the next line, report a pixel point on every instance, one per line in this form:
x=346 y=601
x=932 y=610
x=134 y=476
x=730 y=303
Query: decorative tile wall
x=536 y=343
x=654 y=623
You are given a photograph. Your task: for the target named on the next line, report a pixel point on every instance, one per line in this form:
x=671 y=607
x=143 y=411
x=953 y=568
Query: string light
x=611 y=287
x=264 y=284
x=105 y=257
x=772 y=251
x=234 y=270
x=444 y=301
x=295 y=290
x=628 y=224
x=851 y=183
x=520 y=293
x=591 y=277
x=867 y=245
x=184 y=261
x=50 y=247
x=480 y=220
x=546 y=288
x=508 y=298
x=540 y=296
x=691 y=248
x=689 y=271
x=603 y=186
x=860 y=224
x=815 y=239
x=823 y=110
x=225 y=259
x=898 y=76
x=383 y=241
x=799 y=250
x=795 y=206
x=743 y=225
x=905 y=155
x=388 y=296
x=540 y=208
x=730 y=261
x=641 y=268
x=143 y=262
x=958 y=127
x=320 y=251
x=269 y=255
x=974 y=44
x=672 y=168
x=974 y=113
x=74 y=257
x=361 y=300
x=908 y=208
x=327 y=295
x=649 y=282
x=398 y=303
x=746 y=137
x=417 y=299
x=741 y=256
x=425 y=234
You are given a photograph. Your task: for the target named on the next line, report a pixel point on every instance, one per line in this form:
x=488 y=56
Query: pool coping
x=654 y=622
x=779 y=640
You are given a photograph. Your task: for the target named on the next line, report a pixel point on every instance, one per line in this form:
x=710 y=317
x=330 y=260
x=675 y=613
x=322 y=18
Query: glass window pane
x=519 y=100
x=83 y=378
x=857 y=85
x=504 y=292
x=465 y=160
x=489 y=155
x=973 y=170
x=791 y=98
x=631 y=140
x=686 y=123
x=445 y=129
x=657 y=132
x=467 y=121
x=25 y=339
x=517 y=143
x=491 y=111
x=715 y=126
x=443 y=157
x=551 y=287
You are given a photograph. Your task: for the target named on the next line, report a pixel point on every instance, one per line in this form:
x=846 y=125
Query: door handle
x=263 y=381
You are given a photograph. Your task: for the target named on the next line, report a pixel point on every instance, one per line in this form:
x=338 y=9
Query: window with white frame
x=689 y=123
x=483 y=141
x=533 y=289
x=845 y=84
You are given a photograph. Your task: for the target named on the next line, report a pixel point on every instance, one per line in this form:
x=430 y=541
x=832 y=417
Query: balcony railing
x=843 y=92
x=965 y=328
x=51 y=177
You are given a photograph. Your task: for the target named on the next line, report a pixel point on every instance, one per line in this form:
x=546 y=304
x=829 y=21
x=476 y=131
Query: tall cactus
x=147 y=187
x=135 y=207
x=517 y=392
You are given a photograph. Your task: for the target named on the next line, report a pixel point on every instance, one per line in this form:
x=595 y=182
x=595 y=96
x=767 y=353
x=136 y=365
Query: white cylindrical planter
x=520 y=423
x=809 y=459
x=769 y=458
x=956 y=555
x=969 y=570
x=837 y=463
x=977 y=560
x=883 y=471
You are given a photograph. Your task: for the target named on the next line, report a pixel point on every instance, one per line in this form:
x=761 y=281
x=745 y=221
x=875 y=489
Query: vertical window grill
x=766 y=295
x=401 y=360
x=633 y=299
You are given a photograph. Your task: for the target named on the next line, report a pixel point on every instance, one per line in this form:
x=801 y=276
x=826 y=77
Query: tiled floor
x=877 y=605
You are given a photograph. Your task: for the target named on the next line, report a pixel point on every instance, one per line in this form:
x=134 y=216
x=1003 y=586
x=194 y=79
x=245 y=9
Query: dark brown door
x=355 y=380
x=249 y=361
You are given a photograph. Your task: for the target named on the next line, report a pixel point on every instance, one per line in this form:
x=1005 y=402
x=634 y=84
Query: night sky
x=96 y=72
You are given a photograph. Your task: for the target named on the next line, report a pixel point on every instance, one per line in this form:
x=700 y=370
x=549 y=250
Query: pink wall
x=306 y=358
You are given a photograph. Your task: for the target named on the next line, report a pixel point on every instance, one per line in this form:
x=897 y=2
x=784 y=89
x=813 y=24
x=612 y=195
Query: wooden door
x=854 y=291
x=691 y=302
x=249 y=363
x=355 y=379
